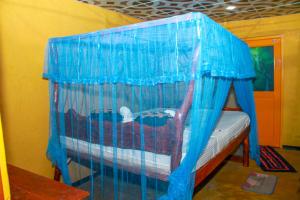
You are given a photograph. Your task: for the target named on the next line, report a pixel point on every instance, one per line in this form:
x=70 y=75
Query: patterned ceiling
x=216 y=9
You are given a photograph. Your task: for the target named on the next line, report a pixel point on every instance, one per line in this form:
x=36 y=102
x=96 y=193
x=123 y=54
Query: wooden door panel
x=268 y=99
x=265 y=119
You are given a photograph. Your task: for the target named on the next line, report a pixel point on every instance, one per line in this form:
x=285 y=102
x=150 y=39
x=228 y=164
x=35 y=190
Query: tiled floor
x=225 y=184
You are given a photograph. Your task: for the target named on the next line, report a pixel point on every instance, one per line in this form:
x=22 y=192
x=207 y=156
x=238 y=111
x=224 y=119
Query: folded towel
x=127 y=114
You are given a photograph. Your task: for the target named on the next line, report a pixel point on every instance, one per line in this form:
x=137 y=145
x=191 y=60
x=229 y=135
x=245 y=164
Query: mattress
x=229 y=126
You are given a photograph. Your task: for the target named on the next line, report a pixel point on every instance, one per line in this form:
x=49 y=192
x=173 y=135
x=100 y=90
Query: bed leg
x=57 y=174
x=246 y=152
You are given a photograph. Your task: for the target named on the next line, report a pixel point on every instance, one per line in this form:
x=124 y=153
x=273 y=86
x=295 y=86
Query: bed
x=231 y=130
x=147 y=100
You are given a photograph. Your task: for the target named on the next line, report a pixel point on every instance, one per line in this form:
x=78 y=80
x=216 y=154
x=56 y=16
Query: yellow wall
x=288 y=27
x=25 y=26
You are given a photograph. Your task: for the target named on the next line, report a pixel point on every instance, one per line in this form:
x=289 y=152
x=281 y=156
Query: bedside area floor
x=226 y=182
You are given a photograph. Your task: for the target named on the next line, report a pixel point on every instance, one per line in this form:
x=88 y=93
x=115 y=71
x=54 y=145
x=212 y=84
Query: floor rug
x=272 y=161
x=260 y=183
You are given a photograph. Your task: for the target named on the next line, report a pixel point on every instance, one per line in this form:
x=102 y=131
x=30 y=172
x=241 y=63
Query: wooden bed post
x=57 y=172
x=246 y=152
x=181 y=114
x=179 y=121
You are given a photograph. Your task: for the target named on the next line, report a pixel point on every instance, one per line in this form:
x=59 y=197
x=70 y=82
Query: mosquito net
x=132 y=109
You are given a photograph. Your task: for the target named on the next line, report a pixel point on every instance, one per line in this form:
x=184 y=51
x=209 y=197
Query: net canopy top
x=148 y=53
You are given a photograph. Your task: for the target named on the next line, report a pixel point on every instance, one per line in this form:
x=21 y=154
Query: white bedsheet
x=229 y=127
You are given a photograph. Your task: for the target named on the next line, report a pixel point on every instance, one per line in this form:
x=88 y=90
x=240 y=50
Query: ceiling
x=216 y=9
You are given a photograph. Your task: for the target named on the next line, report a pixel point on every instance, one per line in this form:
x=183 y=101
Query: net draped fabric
x=122 y=100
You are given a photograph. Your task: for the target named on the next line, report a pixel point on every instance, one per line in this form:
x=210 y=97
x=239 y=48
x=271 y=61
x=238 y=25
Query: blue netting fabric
x=133 y=108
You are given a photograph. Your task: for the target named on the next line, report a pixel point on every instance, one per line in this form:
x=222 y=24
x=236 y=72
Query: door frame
x=274 y=41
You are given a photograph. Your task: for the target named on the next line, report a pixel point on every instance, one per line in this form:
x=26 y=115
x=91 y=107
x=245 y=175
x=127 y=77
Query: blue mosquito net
x=133 y=108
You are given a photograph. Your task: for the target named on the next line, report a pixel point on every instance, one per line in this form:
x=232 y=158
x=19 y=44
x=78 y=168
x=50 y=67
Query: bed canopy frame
x=122 y=101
